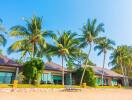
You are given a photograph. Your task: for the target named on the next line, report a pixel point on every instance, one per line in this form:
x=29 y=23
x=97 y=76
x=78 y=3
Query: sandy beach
x=89 y=94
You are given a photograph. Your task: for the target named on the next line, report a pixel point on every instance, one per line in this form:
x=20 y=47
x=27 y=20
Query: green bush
x=32 y=70
x=89 y=77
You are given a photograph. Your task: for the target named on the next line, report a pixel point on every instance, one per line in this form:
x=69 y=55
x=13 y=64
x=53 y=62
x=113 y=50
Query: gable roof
x=107 y=72
x=53 y=66
x=4 y=61
x=98 y=71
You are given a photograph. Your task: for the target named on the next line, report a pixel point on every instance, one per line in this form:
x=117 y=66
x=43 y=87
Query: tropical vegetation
x=121 y=59
x=32 y=42
x=90 y=32
x=103 y=45
x=2 y=37
x=89 y=77
x=66 y=47
x=32 y=70
x=31 y=37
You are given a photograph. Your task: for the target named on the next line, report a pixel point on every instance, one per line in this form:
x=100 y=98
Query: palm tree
x=2 y=38
x=30 y=37
x=121 y=57
x=103 y=45
x=89 y=33
x=81 y=59
x=46 y=52
x=66 y=47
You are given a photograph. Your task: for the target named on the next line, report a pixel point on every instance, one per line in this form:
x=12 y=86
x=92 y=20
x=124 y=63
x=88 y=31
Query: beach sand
x=87 y=94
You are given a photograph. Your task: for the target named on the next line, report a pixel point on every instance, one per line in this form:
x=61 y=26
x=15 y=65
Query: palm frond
x=3 y=40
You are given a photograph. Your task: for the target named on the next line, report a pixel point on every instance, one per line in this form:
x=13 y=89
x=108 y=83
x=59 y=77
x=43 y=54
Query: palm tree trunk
x=126 y=77
x=70 y=78
x=123 y=73
x=33 y=50
x=103 y=68
x=85 y=64
x=62 y=72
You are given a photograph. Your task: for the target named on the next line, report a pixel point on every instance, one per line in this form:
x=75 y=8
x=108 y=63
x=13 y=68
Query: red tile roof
x=53 y=66
x=4 y=61
x=107 y=72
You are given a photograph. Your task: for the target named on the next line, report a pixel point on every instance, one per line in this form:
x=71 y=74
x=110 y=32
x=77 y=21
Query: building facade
x=52 y=73
x=8 y=70
x=111 y=78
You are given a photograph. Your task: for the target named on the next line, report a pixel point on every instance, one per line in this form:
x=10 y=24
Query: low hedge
x=51 y=86
x=6 y=85
x=34 y=86
x=108 y=87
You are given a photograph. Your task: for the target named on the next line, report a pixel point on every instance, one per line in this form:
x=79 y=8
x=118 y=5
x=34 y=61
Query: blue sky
x=60 y=15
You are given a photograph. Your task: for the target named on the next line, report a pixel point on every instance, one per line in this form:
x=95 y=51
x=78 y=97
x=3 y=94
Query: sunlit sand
x=88 y=94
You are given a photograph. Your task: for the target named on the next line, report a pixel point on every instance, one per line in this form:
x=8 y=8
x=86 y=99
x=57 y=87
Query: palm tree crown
x=103 y=44
x=90 y=31
x=32 y=36
x=66 y=45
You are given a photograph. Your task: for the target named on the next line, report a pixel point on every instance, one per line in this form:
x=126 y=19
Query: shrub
x=89 y=77
x=32 y=70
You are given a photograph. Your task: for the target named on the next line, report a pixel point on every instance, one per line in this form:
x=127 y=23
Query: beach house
x=8 y=70
x=52 y=73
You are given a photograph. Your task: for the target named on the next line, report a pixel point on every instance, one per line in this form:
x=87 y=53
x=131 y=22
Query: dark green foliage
x=32 y=70
x=89 y=77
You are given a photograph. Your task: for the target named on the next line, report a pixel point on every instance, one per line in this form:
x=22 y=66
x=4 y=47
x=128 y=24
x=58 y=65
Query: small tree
x=89 y=77
x=32 y=70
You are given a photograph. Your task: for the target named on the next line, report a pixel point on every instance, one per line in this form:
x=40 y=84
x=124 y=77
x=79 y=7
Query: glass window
x=114 y=82
x=47 y=78
x=6 y=77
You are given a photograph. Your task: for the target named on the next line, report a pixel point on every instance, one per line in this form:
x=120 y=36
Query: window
x=99 y=81
x=114 y=82
x=6 y=77
x=47 y=78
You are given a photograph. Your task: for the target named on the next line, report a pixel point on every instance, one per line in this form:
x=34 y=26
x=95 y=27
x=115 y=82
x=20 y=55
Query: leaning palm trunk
x=62 y=72
x=126 y=77
x=103 y=69
x=123 y=74
x=85 y=64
